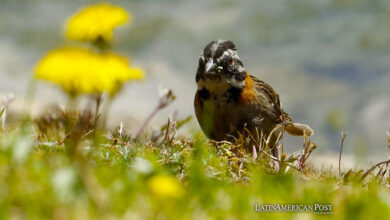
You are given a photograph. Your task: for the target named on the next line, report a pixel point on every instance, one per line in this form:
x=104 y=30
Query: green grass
x=59 y=167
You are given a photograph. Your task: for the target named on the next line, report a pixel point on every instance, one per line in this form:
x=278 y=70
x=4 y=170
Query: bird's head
x=219 y=64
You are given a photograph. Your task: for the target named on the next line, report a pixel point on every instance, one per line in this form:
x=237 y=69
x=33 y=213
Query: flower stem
x=148 y=119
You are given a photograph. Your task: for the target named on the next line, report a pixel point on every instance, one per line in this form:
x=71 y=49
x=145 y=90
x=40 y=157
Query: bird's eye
x=230 y=61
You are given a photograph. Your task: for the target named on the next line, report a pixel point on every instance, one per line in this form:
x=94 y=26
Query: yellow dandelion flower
x=79 y=70
x=96 y=22
x=165 y=186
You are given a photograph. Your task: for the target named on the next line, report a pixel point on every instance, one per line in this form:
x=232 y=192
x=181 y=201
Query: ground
x=65 y=168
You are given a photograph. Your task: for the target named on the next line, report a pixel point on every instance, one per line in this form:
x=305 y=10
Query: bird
x=230 y=101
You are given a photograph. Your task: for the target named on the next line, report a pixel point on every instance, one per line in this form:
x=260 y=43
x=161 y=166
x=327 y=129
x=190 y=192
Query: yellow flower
x=165 y=186
x=96 y=21
x=78 y=70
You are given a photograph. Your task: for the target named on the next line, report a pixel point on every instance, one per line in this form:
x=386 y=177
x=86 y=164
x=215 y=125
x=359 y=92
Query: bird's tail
x=297 y=129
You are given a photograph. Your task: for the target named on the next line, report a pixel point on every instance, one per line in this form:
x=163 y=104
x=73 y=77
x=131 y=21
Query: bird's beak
x=210 y=65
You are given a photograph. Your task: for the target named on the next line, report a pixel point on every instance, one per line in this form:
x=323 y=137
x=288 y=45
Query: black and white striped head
x=220 y=62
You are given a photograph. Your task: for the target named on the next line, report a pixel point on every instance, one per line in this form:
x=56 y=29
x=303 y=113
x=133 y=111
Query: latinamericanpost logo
x=316 y=208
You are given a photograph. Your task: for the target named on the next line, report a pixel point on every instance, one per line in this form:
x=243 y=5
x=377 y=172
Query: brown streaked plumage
x=229 y=101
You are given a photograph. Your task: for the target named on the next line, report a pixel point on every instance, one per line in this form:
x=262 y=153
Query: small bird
x=229 y=101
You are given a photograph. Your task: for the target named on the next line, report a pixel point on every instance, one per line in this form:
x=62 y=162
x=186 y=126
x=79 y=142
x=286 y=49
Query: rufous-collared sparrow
x=229 y=100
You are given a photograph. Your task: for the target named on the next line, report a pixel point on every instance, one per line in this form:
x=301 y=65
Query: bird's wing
x=269 y=101
x=271 y=109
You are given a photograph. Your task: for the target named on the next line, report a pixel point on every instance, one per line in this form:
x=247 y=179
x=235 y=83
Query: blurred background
x=328 y=60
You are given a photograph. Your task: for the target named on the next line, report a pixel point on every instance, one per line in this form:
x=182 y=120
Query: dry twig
x=343 y=136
